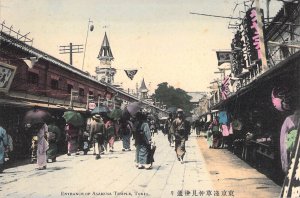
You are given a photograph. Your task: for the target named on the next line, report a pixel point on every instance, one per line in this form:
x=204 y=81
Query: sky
x=160 y=38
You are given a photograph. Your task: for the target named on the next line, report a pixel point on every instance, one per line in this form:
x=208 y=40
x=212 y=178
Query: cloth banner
x=131 y=73
x=223 y=57
x=225 y=90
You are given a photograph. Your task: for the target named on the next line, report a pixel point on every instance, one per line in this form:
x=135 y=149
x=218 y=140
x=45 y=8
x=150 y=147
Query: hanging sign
x=7 y=73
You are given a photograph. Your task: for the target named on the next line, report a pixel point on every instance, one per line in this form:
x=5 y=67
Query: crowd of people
x=98 y=135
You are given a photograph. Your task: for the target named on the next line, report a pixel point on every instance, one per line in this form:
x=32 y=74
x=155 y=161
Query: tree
x=173 y=97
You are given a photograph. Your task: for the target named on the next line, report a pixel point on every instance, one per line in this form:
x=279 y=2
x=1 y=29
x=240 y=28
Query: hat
x=96 y=116
x=179 y=110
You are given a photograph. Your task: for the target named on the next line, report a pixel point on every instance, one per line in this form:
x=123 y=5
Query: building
x=143 y=90
x=105 y=72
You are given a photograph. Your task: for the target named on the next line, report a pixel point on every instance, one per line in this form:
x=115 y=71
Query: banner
x=7 y=73
x=223 y=57
x=131 y=73
x=225 y=91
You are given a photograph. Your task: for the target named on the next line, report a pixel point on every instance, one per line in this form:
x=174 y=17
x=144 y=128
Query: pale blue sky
x=158 y=35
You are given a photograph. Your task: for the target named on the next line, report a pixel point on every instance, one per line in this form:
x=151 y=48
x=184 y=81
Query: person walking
x=3 y=144
x=72 y=134
x=126 y=132
x=54 y=136
x=168 y=130
x=98 y=132
x=181 y=130
x=143 y=142
x=42 y=147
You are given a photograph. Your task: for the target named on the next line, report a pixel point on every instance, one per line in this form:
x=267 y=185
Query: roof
x=196 y=96
x=143 y=87
x=105 y=50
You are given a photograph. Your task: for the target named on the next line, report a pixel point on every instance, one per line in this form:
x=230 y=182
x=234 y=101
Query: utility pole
x=70 y=49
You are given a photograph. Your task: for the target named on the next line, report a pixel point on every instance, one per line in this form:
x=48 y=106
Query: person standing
x=142 y=142
x=181 y=131
x=3 y=144
x=111 y=133
x=42 y=147
x=54 y=135
x=126 y=132
x=72 y=134
x=98 y=132
x=168 y=130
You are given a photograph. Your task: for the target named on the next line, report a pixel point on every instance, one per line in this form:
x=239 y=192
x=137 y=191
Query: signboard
x=92 y=105
x=7 y=73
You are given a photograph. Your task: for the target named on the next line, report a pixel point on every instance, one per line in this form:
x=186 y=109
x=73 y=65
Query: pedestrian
x=42 y=147
x=143 y=142
x=111 y=133
x=98 y=132
x=168 y=130
x=10 y=145
x=54 y=136
x=152 y=127
x=126 y=132
x=72 y=134
x=3 y=145
x=181 y=130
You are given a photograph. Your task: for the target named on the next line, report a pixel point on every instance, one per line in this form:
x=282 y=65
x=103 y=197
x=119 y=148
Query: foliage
x=173 y=97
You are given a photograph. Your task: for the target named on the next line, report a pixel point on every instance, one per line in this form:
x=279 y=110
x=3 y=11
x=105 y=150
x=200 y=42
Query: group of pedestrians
x=99 y=134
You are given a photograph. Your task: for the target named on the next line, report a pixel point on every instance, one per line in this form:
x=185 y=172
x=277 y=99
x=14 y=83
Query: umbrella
x=189 y=119
x=36 y=116
x=74 y=118
x=151 y=117
x=134 y=107
x=100 y=110
x=115 y=114
x=172 y=110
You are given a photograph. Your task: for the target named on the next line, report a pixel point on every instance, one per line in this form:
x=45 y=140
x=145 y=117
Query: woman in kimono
x=126 y=132
x=143 y=142
x=72 y=134
x=110 y=130
x=42 y=147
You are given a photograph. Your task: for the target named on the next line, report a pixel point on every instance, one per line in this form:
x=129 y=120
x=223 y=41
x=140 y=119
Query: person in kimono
x=111 y=133
x=72 y=134
x=181 y=130
x=54 y=135
x=126 y=132
x=3 y=144
x=142 y=142
x=42 y=147
x=168 y=129
x=97 y=129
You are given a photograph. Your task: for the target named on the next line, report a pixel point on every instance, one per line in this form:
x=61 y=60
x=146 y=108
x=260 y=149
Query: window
x=33 y=78
x=91 y=93
x=81 y=92
x=69 y=87
x=54 y=84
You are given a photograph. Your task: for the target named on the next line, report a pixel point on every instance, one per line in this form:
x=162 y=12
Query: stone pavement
x=115 y=175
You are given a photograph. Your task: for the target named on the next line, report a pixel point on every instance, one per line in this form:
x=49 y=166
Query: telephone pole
x=70 y=49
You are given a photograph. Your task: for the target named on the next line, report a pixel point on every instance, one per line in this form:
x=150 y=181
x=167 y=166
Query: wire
x=217 y=16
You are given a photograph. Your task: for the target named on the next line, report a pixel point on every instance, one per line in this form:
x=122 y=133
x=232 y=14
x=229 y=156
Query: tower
x=143 y=90
x=105 y=72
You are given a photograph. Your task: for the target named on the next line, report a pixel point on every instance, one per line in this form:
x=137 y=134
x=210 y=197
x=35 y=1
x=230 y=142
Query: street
x=115 y=175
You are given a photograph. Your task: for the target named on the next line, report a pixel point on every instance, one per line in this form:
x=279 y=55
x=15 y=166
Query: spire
x=143 y=87
x=105 y=51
